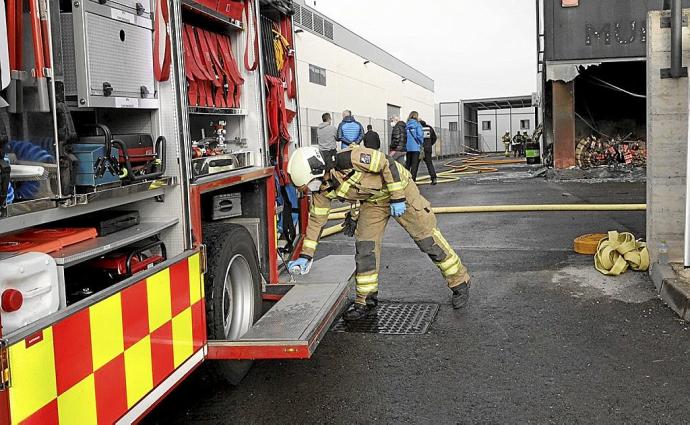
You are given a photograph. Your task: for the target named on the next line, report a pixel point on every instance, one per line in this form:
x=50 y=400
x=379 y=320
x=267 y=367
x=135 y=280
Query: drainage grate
x=393 y=319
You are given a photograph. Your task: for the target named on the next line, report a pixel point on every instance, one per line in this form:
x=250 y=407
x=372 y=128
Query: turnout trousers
x=420 y=222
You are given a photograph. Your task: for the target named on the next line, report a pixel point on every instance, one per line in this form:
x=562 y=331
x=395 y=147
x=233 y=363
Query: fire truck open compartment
x=158 y=193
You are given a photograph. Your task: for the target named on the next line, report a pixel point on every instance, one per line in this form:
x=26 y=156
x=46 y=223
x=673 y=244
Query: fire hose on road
x=339 y=213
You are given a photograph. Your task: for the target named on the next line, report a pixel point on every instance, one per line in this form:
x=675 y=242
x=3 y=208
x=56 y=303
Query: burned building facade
x=592 y=70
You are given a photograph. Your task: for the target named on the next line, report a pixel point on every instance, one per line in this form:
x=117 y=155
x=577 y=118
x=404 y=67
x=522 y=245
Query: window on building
x=524 y=124
x=486 y=125
x=453 y=126
x=317 y=75
x=314 y=135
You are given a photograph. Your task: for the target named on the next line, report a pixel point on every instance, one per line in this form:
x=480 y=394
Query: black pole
x=676 y=39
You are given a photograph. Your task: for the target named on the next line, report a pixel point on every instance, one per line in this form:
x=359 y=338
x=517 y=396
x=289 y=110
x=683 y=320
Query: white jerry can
x=28 y=290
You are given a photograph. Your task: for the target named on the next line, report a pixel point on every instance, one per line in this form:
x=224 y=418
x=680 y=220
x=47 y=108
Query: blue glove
x=398 y=209
x=299 y=266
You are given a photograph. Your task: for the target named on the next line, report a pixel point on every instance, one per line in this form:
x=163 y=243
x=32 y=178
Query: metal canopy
x=499 y=103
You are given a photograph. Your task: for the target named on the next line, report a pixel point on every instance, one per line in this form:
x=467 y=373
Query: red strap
x=236 y=81
x=191 y=60
x=196 y=54
x=162 y=55
x=39 y=63
x=205 y=51
x=247 y=13
x=272 y=111
x=212 y=43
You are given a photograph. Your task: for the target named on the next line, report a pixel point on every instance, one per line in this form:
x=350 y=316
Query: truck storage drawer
x=108 y=58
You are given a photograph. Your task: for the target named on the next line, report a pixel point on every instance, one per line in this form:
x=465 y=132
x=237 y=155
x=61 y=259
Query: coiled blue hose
x=10 y=195
x=10 y=192
x=27 y=151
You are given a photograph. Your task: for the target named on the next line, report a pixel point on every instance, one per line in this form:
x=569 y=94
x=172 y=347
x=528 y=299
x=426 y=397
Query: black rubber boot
x=358 y=312
x=461 y=294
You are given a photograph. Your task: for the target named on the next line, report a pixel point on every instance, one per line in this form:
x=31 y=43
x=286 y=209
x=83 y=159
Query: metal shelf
x=87 y=203
x=211 y=15
x=240 y=174
x=199 y=110
x=75 y=254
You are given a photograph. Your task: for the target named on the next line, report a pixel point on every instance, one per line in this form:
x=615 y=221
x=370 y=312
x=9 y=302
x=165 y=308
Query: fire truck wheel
x=233 y=291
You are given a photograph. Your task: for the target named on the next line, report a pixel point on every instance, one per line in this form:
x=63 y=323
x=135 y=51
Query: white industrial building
x=337 y=70
x=493 y=124
x=481 y=123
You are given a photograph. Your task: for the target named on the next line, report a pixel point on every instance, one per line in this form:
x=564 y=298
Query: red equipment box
x=232 y=9
x=45 y=240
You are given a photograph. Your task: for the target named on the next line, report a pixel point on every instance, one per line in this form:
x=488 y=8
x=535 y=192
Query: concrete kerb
x=673 y=291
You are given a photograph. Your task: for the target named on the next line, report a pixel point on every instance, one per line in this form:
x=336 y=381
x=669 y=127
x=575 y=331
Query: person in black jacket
x=429 y=141
x=372 y=139
x=398 y=145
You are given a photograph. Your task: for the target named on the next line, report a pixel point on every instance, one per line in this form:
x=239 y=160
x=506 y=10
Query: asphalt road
x=546 y=339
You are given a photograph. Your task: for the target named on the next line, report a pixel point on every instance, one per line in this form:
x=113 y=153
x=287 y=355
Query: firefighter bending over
x=384 y=188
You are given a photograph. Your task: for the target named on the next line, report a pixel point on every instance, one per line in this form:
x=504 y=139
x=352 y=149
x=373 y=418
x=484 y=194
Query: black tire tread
x=218 y=236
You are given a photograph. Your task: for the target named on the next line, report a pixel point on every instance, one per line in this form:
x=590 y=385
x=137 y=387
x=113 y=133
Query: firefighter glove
x=299 y=266
x=398 y=209
x=349 y=226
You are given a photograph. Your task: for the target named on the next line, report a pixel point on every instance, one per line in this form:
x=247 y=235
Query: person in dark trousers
x=349 y=131
x=415 y=140
x=326 y=134
x=429 y=141
x=372 y=139
x=398 y=143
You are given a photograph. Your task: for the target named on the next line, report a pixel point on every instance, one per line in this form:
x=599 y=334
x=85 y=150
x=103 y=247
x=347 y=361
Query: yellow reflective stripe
x=444 y=265
x=375 y=161
x=392 y=187
x=345 y=187
x=372 y=278
x=320 y=211
x=451 y=271
x=444 y=242
x=309 y=244
x=367 y=288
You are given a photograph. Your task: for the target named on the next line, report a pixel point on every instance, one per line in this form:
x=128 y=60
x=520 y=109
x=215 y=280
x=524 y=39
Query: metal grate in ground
x=393 y=319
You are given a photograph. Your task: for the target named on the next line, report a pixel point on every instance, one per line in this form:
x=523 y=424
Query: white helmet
x=305 y=165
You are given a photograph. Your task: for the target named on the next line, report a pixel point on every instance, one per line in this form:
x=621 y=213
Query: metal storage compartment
x=108 y=57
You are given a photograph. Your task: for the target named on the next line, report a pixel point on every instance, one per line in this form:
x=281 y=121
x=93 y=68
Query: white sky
x=471 y=48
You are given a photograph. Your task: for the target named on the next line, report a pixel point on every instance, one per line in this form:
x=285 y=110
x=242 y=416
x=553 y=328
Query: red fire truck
x=143 y=199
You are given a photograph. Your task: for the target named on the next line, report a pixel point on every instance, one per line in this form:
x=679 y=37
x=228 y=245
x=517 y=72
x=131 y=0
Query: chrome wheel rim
x=238 y=298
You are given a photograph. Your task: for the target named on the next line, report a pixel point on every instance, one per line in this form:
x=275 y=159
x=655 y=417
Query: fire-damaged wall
x=597 y=29
x=610 y=100
x=595 y=77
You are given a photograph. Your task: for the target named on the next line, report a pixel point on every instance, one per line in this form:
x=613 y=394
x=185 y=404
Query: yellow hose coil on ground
x=620 y=251
x=588 y=244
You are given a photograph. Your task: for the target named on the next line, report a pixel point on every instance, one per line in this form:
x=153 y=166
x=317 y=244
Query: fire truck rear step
x=294 y=327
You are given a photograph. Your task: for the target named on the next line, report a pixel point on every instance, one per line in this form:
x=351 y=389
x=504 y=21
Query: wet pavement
x=546 y=338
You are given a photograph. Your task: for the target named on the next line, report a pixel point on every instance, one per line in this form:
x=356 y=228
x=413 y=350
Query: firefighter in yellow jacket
x=384 y=188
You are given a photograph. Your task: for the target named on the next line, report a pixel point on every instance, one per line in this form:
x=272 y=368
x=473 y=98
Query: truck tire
x=233 y=291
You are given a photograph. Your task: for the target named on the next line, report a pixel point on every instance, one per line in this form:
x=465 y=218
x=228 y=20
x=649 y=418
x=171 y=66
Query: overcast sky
x=471 y=48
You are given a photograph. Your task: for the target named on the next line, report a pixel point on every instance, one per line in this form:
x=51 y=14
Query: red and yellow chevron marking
x=96 y=364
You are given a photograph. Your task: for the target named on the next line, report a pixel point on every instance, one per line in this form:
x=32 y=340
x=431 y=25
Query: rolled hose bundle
x=27 y=151
x=620 y=251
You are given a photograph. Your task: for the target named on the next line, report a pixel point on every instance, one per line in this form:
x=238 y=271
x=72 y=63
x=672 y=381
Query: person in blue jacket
x=349 y=131
x=415 y=140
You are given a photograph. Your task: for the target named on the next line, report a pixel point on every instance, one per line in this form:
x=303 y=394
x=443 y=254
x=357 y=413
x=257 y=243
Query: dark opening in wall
x=609 y=100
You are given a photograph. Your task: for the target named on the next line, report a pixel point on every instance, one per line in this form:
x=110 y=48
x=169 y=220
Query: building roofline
x=405 y=70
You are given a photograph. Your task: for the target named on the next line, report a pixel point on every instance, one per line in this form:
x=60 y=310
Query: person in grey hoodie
x=326 y=134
